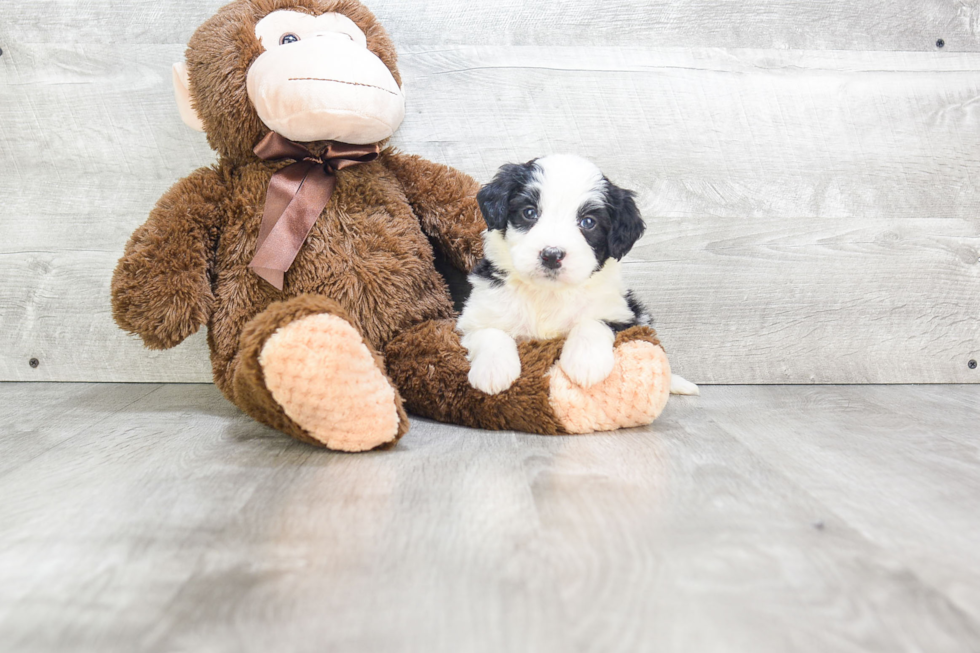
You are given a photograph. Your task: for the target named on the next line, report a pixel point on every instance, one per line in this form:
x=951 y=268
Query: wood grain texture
x=812 y=215
x=814 y=300
x=28 y=429
x=750 y=519
x=888 y=429
x=716 y=133
x=782 y=24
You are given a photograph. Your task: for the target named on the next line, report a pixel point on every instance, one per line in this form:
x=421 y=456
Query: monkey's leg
x=305 y=369
x=429 y=366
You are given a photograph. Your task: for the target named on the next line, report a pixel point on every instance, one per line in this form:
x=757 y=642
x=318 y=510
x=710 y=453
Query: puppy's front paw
x=587 y=363
x=494 y=372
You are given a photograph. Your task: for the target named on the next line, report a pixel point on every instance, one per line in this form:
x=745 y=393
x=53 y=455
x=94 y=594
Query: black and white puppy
x=557 y=229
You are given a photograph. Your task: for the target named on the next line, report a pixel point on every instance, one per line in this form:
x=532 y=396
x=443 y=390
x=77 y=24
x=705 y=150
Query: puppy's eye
x=530 y=214
x=286 y=39
x=587 y=223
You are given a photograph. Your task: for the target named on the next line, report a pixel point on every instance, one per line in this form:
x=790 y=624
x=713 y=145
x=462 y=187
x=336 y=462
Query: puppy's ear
x=494 y=198
x=494 y=201
x=626 y=225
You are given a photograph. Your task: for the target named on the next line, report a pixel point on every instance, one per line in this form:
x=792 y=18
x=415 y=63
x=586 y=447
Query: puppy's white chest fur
x=528 y=310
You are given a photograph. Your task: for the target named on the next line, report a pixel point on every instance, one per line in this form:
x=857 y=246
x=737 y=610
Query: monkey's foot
x=328 y=381
x=634 y=394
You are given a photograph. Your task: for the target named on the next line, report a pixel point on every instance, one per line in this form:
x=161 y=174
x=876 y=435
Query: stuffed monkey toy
x=307 y=248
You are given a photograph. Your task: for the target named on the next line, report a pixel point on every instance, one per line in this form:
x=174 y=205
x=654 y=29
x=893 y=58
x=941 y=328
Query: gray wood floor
x=158 y=518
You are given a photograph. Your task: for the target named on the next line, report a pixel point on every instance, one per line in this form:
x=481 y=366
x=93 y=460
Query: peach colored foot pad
x=633 y=395
x=325 y=378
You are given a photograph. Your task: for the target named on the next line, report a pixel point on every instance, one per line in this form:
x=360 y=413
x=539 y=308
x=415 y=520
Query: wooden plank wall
x=808 y=170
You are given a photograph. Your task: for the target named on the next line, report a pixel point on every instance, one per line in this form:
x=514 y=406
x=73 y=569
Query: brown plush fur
x=429 y=366
x=368 y=258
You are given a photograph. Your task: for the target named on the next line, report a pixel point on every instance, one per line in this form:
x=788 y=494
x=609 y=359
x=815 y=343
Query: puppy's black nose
x=551 y=257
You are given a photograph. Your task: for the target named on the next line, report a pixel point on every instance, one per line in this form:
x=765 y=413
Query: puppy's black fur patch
x=641 y=317
x=485 y=269
x=504 y=199
x=626 y=225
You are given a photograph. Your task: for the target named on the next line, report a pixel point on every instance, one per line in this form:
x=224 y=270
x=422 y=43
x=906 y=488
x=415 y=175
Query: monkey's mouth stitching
x=339 y=81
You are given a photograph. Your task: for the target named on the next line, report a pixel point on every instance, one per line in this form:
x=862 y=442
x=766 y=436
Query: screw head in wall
x=34 y=363
x=972 y=365
x=940 y=43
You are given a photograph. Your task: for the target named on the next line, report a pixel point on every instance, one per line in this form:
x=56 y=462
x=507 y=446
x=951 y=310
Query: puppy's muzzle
x=551 y=257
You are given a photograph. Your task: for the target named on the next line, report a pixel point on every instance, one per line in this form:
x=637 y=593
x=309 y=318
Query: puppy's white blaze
x=568 y=182
x=494 y=362
x=565 y=184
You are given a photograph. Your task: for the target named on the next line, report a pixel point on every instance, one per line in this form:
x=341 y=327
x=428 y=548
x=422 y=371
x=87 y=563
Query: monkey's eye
x=587 y=223
x=530 y=214
x=286 y=39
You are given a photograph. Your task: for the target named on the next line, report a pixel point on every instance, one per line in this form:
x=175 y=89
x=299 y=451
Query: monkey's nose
x=551 y=257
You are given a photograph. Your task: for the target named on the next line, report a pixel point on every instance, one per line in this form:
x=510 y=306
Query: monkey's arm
x=161 y=289
x=444 y=199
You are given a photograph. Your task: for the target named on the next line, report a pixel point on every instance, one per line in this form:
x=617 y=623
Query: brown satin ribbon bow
x=297 y=196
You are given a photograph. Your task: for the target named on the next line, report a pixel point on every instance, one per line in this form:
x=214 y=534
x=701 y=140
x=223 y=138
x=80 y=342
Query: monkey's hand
x=444 y=199
x=161 y=290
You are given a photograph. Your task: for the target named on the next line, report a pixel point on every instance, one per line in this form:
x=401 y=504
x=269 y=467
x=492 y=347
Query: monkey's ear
x=182 y=91
x=627 y=225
